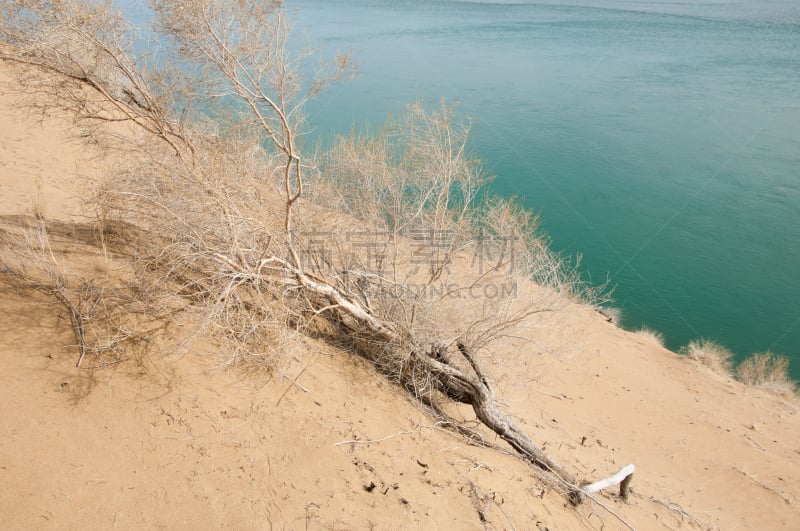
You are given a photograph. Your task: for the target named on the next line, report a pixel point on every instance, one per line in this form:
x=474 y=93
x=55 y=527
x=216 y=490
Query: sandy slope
x=175 y=444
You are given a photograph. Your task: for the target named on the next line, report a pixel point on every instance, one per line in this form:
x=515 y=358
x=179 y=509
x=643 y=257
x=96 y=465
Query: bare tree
x=226 y=221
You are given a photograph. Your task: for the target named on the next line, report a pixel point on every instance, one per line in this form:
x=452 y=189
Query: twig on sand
x=398 y=434
x=77 y=322
x=769 y=488
x=674 y=507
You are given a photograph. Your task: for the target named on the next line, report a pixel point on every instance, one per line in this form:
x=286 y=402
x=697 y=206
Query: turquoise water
x=661 y=140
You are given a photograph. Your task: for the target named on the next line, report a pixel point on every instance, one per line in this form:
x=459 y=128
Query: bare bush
x=651 y=335
x=208 y=224
x=433 y=229
x=767 y=370
x=710 y=354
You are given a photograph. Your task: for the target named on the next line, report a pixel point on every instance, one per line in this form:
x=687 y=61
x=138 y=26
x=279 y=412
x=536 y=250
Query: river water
x=660 y=140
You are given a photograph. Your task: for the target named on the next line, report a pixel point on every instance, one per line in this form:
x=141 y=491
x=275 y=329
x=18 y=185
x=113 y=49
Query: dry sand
x=173 y=443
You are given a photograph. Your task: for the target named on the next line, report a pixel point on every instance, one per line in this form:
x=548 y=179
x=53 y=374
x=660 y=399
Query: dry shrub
x=710 y=354
x=111 y=313
x=449 y=263
x=653 y=336
x=415 y=180
x=206 y=223
x=767 y=370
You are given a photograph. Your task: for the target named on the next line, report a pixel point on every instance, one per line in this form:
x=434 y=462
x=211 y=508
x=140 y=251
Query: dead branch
x=77 y=322
x=622 y=478
x=680 y=511
x=392 y=436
